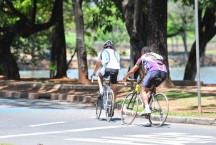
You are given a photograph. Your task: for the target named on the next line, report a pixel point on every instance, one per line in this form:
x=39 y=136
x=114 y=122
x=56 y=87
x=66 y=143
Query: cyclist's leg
x=102 y=74
x=114 y=81
x=145 y=95
x=113 y=85
x=100 y=81
x=114 y=88
x=147 y=84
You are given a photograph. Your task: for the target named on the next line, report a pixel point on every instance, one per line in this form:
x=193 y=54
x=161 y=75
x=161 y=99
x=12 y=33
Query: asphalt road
x=45 y=122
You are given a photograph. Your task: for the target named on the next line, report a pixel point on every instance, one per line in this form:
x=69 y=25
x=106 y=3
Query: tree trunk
x=132 y=12
x=184 y=39
x=9 y=62
x=157 y=32
x=207 y=31
x=81 y=52
x=191 y=67
x=146 y=25
x=59 y=45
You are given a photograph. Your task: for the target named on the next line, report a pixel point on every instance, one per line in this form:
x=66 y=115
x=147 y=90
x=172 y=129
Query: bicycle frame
x=158 y=104
x=107 y=101
x=106 y=89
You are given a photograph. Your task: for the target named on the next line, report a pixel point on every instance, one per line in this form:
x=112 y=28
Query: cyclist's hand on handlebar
x=124 y=80
x=92 y=77
x=125 y=83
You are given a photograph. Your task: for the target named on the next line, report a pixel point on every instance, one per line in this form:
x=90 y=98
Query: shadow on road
x=114 y=119
x=41 y=104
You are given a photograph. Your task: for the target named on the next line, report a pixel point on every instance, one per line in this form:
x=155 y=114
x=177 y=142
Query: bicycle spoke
x=160 y=108
x=98 y=108
x=110 y=105
x=129 y=108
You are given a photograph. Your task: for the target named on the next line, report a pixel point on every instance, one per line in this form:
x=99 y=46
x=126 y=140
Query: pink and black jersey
x=151 y=64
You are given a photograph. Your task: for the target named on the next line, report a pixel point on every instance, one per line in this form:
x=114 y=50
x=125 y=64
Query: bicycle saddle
x=157 y=81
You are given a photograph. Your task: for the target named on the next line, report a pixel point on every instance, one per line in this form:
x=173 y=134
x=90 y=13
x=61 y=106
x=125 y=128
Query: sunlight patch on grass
x=210 y=52
x=193 y=114
x=180 y=94
x=183 y=94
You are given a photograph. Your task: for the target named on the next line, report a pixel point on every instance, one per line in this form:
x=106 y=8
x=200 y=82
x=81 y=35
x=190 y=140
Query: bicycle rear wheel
x=160 y=108
x=129 y=108
x=99 y=107
x=110 y=105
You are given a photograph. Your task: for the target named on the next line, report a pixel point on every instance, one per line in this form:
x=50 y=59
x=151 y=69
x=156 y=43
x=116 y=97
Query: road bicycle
x=106 y=102
x=133 y=105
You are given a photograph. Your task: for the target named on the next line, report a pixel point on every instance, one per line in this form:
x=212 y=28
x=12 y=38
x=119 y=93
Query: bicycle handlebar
x=129 y=80
x=132 y=80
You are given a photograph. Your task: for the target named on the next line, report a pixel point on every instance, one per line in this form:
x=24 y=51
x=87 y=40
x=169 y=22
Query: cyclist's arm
x=97 y=66
x=133 y=70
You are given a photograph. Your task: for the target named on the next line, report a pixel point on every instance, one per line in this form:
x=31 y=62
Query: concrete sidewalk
x=74 y=93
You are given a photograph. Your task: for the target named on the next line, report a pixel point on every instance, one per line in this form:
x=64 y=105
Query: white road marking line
x=60 y=132
x=44 y=124
x=153 y=139
x=96 y=140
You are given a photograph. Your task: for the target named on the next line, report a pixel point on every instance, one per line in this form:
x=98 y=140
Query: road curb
x=190 y=120
x=51 y=96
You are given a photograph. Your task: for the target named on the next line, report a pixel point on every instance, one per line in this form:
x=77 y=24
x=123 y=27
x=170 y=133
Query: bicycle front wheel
x=110 y=105
x=160 y=108
x=98 y=107
x=129 y=108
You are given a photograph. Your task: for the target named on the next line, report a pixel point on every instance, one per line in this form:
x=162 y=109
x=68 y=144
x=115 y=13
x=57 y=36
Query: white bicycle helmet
x=107 y=44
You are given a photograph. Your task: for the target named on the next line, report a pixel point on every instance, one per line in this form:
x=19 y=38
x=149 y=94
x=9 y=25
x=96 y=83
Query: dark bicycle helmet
x=108 y=43
x=145 y=49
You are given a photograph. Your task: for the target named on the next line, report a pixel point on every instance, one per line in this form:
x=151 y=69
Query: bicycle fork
x=132 y=101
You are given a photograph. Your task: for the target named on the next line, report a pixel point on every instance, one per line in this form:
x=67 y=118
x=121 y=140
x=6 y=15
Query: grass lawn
x=183 y=103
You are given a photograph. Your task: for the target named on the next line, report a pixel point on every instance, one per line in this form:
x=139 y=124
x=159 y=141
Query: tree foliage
x=207 y=30
x=122 y=21
x=19 y=23
x=104 y=19
x=180 y=17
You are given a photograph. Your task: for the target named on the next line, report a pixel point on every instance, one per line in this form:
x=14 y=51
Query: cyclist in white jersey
x=109 y=59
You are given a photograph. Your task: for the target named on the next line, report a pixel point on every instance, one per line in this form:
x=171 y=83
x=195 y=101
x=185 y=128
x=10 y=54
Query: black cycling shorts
x=113 y=73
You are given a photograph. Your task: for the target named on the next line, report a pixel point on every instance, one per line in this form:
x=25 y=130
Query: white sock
x=147 y=106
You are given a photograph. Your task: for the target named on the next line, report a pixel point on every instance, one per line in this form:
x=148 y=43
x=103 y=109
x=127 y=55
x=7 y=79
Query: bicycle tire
x=110 y=105
x=98 y=108
x=129 y=108
x=159 y=106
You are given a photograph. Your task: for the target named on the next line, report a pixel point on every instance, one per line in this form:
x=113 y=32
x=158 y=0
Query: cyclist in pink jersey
x=155 y=68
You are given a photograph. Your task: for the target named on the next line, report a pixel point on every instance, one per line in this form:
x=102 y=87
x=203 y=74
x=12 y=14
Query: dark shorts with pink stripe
x=155 y=78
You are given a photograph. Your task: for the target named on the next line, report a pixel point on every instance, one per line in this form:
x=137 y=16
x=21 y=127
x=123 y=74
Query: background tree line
x=35 y=26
